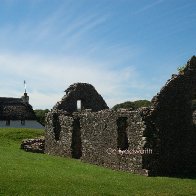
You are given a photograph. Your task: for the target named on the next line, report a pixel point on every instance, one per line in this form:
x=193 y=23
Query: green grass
x=23 y=173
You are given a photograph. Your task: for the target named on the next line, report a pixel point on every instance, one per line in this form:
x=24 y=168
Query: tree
x=40 y=114
x=132 y=104
x=142 y=103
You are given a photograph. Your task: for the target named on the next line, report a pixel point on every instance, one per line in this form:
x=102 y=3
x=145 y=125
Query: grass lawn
x=23 y=173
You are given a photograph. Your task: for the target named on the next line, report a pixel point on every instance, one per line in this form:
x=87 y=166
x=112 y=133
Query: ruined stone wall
x=194 y=117
x=172 y=117
x=58 y=136
x=104 y=132
x=95 y=137
x=86 y=93
x=167 y=127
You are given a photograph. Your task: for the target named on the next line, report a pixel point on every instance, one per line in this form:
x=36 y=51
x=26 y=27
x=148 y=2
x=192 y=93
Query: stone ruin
x=83 y=94
x=156 y=140
x=33 y=145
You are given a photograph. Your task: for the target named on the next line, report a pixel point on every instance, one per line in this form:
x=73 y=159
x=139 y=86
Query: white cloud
x=62 y=27
x=48 y=77
x=88 y=58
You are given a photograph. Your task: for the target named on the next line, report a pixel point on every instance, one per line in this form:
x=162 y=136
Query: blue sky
x=127 y=49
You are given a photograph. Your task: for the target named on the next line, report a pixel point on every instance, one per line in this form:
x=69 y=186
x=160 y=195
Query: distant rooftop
x=15 y=109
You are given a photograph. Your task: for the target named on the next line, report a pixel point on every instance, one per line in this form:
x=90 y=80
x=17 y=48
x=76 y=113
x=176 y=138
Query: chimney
x=25 y=98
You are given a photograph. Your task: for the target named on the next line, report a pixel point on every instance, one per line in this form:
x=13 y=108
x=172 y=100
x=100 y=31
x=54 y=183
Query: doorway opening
x=122 y=139
x=76 y=144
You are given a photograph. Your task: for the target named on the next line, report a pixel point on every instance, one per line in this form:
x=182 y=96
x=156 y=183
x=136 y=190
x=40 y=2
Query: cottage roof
x=15 y=109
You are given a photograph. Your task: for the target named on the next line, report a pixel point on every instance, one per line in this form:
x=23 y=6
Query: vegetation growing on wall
x=181 y=68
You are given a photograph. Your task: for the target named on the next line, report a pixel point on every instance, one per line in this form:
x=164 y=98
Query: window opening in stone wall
x=7 y=123
x=57 y=126
x=79 y=105
x=122 y=140
x=23 y=122
x=76 y=145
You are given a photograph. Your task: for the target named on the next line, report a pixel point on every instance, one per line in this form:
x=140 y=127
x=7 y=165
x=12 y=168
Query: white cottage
x=18 y=113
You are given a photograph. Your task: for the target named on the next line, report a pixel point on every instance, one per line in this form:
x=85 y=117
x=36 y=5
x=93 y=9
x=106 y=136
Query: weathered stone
x=33 y=145
x=86 y=93
x=172 y=118
x=156 y=140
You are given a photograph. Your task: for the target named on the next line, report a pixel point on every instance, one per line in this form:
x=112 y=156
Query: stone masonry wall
x=95 y=135
x=86 y=93
x=194 y=117
x=101 y=134
x=58 y=136
x=172 y=117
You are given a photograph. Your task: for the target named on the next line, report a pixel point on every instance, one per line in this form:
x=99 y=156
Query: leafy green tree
x=125 y=105
x=132 y=104
x=142 y=103
x=40 y=114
